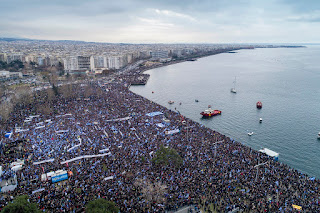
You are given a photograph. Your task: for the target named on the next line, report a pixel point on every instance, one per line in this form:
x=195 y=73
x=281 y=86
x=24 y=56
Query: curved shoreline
x=224 y=175
x=225 y=133
x=191 y=57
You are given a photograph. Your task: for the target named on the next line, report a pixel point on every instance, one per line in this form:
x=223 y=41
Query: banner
x=39 y=127
x=44 y=161
x=119 y=119
x=38 y=190
x=108 y=178
x=61 y=177
x=172 y=132
x=61 y=131
x=104 y=150
x=151 y=114
x=85 y=156
x=161 y=125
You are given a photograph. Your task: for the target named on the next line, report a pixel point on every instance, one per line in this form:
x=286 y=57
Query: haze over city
x=138 y=21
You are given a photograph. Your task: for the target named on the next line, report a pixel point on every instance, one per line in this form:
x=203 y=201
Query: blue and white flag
x=8 y=135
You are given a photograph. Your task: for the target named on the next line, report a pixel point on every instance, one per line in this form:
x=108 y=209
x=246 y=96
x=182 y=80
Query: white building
x=100 y=62
x=14 y=57
x=6 y=75
x=159 y=54
x=116 y=62
x=71 y=63
x=3 y=57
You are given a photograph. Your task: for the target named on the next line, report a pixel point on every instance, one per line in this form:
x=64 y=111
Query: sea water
x=285 y=80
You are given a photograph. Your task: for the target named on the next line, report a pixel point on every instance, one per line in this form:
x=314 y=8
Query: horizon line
x=208 y=43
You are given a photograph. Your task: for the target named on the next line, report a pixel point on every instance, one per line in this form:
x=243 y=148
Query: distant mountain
x=9 y=39
x=15 y=39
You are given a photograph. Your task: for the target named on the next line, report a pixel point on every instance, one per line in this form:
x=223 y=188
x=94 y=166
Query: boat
x=270 y=153
x=233 y=90
x=319 y=135
x=210 y=112
x=196 y=100
x=260 y=120
x=170 y=102
x=259 y=105
x=250 y=133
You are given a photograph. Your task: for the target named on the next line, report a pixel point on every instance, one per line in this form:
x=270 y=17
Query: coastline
x=191 y=57
x=224 y=176
x=219 y=51
x=226 y=51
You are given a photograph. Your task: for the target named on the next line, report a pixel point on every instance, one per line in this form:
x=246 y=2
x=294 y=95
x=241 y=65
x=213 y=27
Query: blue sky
x=163 y=21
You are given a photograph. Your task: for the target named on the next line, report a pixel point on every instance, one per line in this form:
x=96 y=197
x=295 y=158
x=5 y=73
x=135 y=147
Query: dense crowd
x=122 y=125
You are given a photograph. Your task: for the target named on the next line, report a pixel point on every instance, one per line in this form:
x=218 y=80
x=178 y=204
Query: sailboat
x=233 y=90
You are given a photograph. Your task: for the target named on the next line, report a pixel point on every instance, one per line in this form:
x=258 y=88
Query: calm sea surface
x=285 y=80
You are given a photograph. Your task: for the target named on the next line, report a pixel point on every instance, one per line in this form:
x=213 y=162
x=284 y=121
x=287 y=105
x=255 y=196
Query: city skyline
x=138 y=21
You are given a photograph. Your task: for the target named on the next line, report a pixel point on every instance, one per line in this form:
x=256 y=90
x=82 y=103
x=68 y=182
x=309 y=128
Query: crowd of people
x=117 y=133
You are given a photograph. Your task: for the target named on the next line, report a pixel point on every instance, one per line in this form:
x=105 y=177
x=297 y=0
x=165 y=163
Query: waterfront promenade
x=107 y=136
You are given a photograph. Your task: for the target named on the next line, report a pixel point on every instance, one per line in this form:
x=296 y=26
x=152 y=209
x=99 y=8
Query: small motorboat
x=196 y=100
x=260 y=120
x=170 y=102
x=259 y=105
x=319 y=135
x=250 y=133
x=233 y=89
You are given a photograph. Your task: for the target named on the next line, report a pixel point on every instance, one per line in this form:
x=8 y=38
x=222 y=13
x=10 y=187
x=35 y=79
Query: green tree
x=55 y=90
x=101 y=206
x=60 y=65
x=22 y=205
x=3 y=65
x=167 y=156
x=16 y=65
x=61 y=72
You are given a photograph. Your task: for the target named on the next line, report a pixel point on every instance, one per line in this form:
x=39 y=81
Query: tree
x=32 y=63
x=101 y=206
x=22 y=205
x=167 y=156
x=5 y=109
x=23 y=95
x=45 y=108
x=3 y=65
x=151 y=191
x=55 y=90
x=61 y=73
x=16 y=65
x=60 y=65
x=66 y=91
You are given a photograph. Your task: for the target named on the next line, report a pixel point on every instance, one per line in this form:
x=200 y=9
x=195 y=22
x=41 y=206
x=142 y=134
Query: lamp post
x=257 y=166
x=215 y=147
